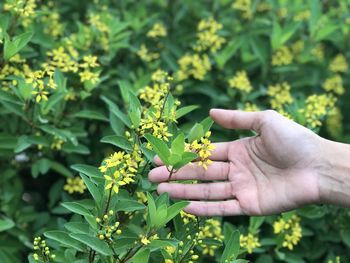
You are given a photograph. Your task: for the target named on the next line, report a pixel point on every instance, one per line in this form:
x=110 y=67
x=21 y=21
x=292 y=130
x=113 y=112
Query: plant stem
x=171 y=173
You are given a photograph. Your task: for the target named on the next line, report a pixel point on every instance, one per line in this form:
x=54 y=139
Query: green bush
x=92 y=90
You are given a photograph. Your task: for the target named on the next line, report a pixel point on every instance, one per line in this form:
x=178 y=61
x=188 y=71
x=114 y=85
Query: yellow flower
x=290 y=230
x=334 y=122
x=316 y=108
x=57 y=143
x=141 y=197
x=211 y=229
x=338 y=64
x=244 y=6
x=249 y=242
x=240 y=81
x=146 y=55
x=187 y=218
x=146 y=240
x=280 y=95
x=251 y=107
x=318 y=51
x=207 y=37
x=75 y=184
x=62 y=58
x=334 y=84
x=120 y=169
x=87 y=75
x=302 y=16
x=282 y=56
x=203 y=148
x=158 y=30
x=89 y=61
x=298 y=47
x=193 y=65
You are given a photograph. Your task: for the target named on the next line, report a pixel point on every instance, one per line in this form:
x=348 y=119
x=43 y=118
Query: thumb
x=236 y=119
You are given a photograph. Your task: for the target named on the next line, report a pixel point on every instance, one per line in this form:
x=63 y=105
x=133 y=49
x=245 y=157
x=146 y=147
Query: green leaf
x=77 y=227
x=160 y=147
x=161 y=216
x=11 y=48
x=53 y=101
x=6 y=223
x=175 y=209
x=22 y=144
x=141 y=257
x=196 y=132
x=207 y=123
x=228 y=52
x=91 y=115
x=118 y=141
x=152 y=210
x=185 y=110
x=255 y=222
x=178 y=144
x=88 y=170
x=93 y=242
x=93 y=189
x=231 y=247
x=128 y=205
x=76 y=208
x=124 y=87
x=64 y=238
x=186 y=158
x=116 y=111
x=8 y=141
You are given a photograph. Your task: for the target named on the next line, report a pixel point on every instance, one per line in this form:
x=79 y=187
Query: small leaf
x=91 y=115
x=141 y=257
x=93 y=242
x=11 y=48
x=89 y=170
x=76 y=208
x=118 y=141
x=187 y=157
x=93 y=189
x=185 y=110
x=6 y=223
x=178 y=144
x=160 y=147
x=175 y=209
x=196 y=132
x=152 y=210
x=231 y=247
x=64 y=238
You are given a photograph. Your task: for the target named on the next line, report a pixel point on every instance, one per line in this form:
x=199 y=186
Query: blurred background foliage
x=58 y=58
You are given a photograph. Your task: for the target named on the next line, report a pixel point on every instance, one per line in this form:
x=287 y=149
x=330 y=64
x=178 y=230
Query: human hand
x=274 y=171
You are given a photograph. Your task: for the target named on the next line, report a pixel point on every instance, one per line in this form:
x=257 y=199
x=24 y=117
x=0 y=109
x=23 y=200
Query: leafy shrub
x=91 y=91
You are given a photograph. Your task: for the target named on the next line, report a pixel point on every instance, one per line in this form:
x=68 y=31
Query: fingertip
x=162 y=187
x=157 y=161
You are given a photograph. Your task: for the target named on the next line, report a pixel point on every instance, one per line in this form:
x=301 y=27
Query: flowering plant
x=89 y=94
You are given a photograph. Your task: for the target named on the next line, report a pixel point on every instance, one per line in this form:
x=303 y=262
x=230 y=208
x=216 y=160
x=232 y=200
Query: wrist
x=334 y=173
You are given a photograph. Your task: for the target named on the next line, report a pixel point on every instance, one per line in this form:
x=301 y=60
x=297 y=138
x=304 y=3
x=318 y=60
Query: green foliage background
x=40 y=141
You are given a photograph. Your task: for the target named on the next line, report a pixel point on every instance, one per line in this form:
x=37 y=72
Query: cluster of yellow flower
x=337 y=260
x=334 y=84
x=280 y=95
x=317 y=107
x=154 y=120
x=298 y=47
x=240 y=81
x=51 y=18
x=146 y=55
x=41 y=81
x=102 y=28
x=211 y=229
x=41 y=250
x=108 y=227
x=318 y=51
x=334 y=122
x=338 y=64
x=203 y=147
x=75 y=184
x=302 y=16
x=282 y=56
x=193 y=65
x=245 y=6
x=187 y=218
x=120 y=169
x=207 y=36
x=24 y=9
x=145 y=239
x=249 y=242
x=157 y=30
x=141 y=197
x=250 y=107
x=184 y=256
x=87 y=74
x=16 y=66
x=290 y=229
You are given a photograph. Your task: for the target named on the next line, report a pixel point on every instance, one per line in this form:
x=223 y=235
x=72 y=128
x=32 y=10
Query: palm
x=259 y=175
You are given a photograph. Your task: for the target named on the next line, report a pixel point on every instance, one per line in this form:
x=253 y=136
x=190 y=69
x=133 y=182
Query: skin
x=283 y=167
